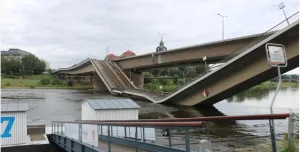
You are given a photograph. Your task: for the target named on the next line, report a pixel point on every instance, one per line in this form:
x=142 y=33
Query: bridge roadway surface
x=243 y=70
x=214 y=51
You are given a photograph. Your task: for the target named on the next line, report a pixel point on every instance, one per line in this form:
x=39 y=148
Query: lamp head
x=281 y=5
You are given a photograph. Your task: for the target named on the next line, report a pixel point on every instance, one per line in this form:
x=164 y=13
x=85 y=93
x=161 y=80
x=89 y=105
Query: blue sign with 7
x=10 y=122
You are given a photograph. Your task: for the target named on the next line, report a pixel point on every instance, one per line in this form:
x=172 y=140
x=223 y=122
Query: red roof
x=128 y=53
x=112 y=57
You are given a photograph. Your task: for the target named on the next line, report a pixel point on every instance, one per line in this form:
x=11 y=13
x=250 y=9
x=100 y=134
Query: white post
x=291 y=127
x=204 y=146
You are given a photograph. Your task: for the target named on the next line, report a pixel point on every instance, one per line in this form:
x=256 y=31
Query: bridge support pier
x=138 y=80
x=98 y=84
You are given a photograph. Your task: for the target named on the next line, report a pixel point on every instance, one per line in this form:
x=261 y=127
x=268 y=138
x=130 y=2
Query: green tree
x=29 y=63
x=200 y=68
x=163 y=72
x=295 y=76
x=32 y=65
x=4 y=65
x=39 y=67
x=285 y=76
x=15 y=66
x=154 y=71
x=10 y=66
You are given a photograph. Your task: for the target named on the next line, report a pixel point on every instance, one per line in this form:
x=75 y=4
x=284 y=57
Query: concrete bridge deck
x=246 y=68
x=214 y=51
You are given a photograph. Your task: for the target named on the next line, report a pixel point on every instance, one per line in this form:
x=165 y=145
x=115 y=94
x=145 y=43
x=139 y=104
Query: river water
x=46 y=105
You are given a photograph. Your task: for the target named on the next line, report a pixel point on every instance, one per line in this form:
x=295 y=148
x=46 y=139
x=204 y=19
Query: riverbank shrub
x=8 y=76
x=56 y=82
x=288 y=146
x=155 y=81
x=45 y=81
x=180 y=82
x=166 y=82
x=169 y=88
x=70 y=83
x=31 y=87
x=152 y=86
x=7 y=84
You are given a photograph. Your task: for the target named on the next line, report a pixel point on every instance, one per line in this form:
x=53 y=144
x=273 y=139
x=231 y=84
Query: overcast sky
x=65 y=32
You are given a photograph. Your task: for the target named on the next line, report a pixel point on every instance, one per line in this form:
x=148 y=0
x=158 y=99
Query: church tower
x=161 y=46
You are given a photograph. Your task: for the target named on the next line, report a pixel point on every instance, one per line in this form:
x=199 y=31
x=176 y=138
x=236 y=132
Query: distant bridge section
x=214 y=51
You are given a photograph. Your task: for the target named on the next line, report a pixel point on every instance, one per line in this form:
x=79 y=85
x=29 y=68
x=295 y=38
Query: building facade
x=14 y=54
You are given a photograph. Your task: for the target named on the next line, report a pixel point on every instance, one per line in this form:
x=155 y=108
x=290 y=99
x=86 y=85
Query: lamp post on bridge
x=281 y=6
x=106 y=53
x=223 y=16
x=127 y=46
x=204 y=59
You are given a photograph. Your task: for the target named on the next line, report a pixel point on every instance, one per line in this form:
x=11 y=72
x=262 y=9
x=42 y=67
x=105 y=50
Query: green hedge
x=56 y=82
x=155 y=87
x=169 y=88
x=70 y=83
x=8 y=76
x=45 y=81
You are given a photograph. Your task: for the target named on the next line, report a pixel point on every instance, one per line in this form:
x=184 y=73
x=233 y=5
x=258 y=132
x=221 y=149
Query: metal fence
x=184 y=134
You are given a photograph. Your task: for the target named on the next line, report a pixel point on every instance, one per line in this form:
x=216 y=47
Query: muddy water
x=46 y=105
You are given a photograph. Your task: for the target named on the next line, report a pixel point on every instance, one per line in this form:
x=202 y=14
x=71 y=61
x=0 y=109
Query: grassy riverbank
x=34 y=81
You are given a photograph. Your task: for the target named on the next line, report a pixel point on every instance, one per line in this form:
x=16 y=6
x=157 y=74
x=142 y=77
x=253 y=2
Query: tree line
x=174 y=76
x=287 y=77
x=178 y=71
x=29 y=64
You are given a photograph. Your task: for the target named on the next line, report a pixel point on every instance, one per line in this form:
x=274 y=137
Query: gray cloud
x=64 y=32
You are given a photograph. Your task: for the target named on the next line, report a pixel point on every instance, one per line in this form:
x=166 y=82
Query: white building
x=13 y=123
x=110 y=109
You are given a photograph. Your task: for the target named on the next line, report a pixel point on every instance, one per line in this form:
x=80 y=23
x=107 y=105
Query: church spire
x=161 y=46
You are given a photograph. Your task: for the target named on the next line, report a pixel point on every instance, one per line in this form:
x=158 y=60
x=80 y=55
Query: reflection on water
x=203 y=111
x=258 y=94
x=257 y=101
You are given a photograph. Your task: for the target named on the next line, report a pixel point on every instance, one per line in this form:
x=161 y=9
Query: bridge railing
x=238 y=51
x=181 y=134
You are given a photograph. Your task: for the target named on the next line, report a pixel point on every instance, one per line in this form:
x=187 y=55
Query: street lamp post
x=204 y=59
x=223 y=16
x=106 y=53
x=281 y=6
x=127 y=46
x=161 y=35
